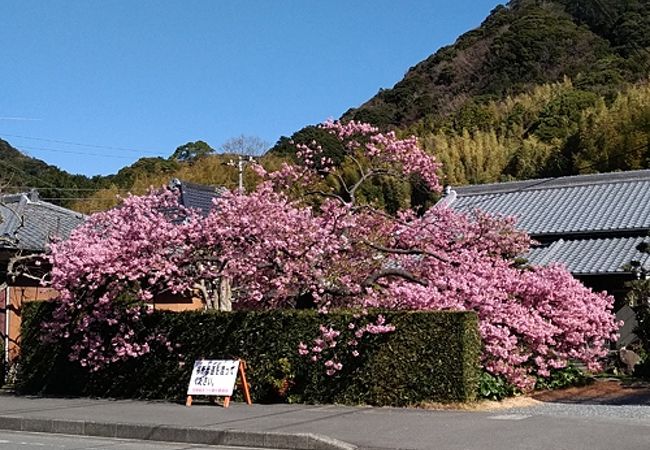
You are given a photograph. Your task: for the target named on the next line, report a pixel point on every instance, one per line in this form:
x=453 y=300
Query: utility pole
x=241 y=163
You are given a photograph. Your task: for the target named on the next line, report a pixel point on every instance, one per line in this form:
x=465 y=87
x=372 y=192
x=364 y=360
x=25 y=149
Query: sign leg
x=244 y=382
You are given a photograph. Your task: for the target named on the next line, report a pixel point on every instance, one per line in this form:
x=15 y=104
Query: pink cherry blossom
x=278 y=247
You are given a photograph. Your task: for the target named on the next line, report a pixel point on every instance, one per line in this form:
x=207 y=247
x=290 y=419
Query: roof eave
x=619 y=232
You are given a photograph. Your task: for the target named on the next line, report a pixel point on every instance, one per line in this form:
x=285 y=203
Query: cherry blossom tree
x=306 y=238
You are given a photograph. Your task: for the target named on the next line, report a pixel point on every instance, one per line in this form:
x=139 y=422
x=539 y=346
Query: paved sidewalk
x=321 y=427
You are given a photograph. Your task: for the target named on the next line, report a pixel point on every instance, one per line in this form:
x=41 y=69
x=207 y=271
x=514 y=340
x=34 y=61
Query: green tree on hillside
x=191 y=151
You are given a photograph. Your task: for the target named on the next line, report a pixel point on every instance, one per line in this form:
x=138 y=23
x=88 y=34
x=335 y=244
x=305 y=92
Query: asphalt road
x=43 y=441
x=541 y=426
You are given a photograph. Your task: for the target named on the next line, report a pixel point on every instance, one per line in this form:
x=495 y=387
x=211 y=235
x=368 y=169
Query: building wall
x=177 y=303
x=18 y=296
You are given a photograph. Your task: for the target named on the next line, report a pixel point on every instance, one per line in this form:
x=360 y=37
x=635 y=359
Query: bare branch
x=372 y=279
x=338 y=291
x=342 y=181
x=17 y=267
x=409 y=251
x=352 y=191
x=364 y=177
x=358 y=164
x=327 y=195
x=381 y=213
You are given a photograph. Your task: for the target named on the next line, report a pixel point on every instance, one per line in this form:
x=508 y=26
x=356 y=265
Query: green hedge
x=432 y=356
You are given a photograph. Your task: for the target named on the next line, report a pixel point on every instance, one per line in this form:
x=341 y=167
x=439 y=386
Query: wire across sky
x=92 y=86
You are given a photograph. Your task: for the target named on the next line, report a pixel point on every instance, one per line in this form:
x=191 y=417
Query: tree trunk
x=225 y=295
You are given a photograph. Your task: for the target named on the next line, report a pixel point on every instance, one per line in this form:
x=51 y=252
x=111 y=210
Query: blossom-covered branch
x=279 y=249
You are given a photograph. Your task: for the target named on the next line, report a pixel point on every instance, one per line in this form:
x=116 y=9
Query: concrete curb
x=207 y=436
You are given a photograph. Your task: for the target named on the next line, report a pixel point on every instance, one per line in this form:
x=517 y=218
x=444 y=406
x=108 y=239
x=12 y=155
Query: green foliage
x=540 y=44
x=562 y=378
x=55 y=185
x=554 y=130
x=493 y=387
x=598 y=43
x=432 y=356
x=615 y=136
x=496 y=388
x=642 y=370
x=332 y=147
x=560 y=117
x=638 y=298
x=542 y=88
x=472 y=116
x=144 y=167
x=626 y=24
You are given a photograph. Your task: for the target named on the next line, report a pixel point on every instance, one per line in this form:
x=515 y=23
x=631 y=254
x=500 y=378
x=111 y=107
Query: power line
x=72 y=152
x=67 y=188
x=34 y=177
x=79 y=144
x=86 y=199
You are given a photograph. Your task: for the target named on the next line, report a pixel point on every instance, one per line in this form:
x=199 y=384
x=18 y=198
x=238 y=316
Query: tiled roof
x=582 y=204
x=197 y=196
x=592 y=256
x=31 y=224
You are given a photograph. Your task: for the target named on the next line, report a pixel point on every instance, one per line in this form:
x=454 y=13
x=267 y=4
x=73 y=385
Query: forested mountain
x=19 y=172
x=599 y=44
x=542 y=88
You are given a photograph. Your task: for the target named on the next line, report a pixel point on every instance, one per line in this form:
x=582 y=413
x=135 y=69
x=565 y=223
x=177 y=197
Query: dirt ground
x=600 y=392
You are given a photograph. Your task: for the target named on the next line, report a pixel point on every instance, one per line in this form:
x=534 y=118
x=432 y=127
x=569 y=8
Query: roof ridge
x=555 y=183
x=198 y=196
x=205 y=187
x=10 y=227
x=604 y=206
x=12 y=198
x=52 y=206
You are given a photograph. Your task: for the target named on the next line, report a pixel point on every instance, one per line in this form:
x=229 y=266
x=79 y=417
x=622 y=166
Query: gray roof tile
x=197 y=196
x=583 y=204
x=31 y=225
x=592 y=256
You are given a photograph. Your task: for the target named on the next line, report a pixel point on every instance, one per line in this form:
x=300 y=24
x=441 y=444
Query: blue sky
x=91 y=86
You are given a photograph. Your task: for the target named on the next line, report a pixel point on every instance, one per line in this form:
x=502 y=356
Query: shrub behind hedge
x=431 y=356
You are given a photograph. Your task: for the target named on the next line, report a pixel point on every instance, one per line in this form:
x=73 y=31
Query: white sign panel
x=213 y=377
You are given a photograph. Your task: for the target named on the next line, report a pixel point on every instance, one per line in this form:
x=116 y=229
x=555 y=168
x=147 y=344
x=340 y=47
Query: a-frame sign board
x=217 y=378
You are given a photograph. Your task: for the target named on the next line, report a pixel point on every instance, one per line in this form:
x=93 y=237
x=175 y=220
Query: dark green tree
x=191 y=151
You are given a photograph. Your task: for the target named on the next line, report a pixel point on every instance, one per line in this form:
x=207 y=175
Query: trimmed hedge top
x=431 y=356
